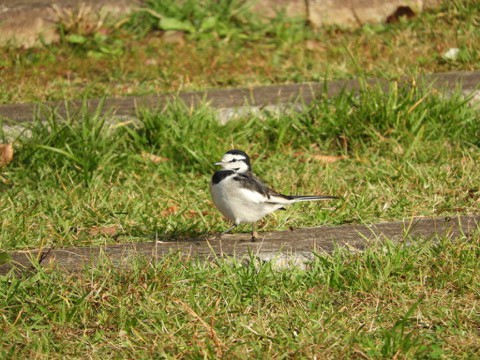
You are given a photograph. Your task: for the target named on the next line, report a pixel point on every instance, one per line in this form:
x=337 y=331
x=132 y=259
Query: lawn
x=89 y=180
x=409 y=152
x=224 y=45
x=85 y=181
x=395 y=301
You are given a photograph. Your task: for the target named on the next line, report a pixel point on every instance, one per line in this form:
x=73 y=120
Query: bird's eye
x=233 y=160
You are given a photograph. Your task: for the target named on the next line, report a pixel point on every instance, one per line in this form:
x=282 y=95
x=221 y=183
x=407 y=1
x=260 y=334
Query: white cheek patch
x=228 y=158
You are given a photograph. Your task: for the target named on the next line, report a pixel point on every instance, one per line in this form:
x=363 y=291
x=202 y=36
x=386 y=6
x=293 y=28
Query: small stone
x=451 y=54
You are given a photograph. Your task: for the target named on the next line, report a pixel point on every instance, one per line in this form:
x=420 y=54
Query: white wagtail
x=243 y=198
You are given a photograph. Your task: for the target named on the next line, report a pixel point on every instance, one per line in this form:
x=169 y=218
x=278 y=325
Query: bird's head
x=235 y=160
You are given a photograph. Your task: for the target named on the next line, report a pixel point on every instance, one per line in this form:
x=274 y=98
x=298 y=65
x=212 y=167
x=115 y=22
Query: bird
x=243 y=198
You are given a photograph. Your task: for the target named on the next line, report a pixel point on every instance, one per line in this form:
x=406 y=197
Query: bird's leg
x=254 y=238
x=227 y=231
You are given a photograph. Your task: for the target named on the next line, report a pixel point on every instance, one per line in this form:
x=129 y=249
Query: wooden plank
x=226 y=98
x=289 y=243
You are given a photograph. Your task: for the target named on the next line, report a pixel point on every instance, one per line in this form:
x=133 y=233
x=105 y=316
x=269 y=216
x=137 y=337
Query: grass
x=85 y=180
x=101 y=58
x=406 y=153
x=391 y=301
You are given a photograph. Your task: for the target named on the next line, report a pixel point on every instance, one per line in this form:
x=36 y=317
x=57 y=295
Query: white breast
x=239 y=204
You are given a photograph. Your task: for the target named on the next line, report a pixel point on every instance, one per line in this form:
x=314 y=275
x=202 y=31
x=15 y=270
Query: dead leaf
x=111 y=230
x=170 y=210
x=303 y=157
x=6 y=154
x=151 y=62
x=103 y=230
x=194 y=213
x=153 y=158
x=328 y=158
x=191 y=214
x=314 y=45
x=401 y=12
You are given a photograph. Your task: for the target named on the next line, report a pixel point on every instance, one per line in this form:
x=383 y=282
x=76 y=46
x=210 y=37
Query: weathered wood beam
x=228 y=98
x=298 y=243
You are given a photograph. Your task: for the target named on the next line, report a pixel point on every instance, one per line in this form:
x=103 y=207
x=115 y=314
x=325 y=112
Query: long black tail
x=298 y=198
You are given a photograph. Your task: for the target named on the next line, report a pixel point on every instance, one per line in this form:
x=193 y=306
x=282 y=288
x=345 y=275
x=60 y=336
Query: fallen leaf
x=327 y=158
x=473 y=193
x=6 y=154
x=303 y=157
x=314 y=45
x=170 y=210
x=102 y=230
x=151 y=62
x=191 y=213
x=298 y=154
x=401 y=12
x=153 y=158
